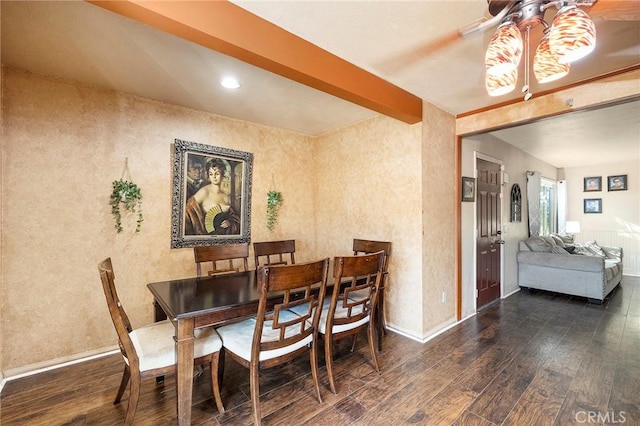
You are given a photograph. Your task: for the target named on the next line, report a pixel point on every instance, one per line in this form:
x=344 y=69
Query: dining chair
x=276 y=335
x=234 y=257
x=149 y=351
x=347 y=315
x=274 y=252
x=367 y=247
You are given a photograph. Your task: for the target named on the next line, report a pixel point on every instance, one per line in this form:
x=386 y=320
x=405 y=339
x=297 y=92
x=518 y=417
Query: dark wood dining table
x=192 y=303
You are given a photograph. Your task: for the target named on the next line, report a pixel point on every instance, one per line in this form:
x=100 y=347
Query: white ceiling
x=392 y=39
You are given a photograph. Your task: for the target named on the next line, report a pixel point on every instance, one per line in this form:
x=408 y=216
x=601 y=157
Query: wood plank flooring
x=532 y=359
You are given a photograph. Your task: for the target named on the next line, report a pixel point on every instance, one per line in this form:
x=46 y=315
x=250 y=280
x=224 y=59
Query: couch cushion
x=613 y=265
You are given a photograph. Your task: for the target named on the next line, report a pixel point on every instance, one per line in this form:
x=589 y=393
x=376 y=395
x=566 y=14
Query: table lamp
x=572 y=227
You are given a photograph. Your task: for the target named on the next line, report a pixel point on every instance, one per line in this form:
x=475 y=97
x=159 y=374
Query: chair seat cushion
x=238 y=337
x=155 y=345
x=340 y=313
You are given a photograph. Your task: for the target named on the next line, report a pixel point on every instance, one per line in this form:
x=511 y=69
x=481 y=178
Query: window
x=548 y=206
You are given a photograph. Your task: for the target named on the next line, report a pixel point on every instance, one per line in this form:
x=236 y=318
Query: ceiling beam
x=227 y=28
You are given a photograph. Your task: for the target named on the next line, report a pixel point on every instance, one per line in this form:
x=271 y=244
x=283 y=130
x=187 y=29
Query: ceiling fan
x=514 y=18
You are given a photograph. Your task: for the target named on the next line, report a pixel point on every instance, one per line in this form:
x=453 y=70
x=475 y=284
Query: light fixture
x=572 y=227
x=571 y=36
x=230 y=83
x=504 y=50
x=546 y=67
x=498 y=85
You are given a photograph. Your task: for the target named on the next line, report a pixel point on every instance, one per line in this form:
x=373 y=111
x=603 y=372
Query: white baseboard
x=429 y=335
x=511 y=294
x=41 y=367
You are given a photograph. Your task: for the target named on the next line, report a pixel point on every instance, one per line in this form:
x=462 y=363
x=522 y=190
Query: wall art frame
x=468 y=189
x=211 y=195
x=617 y=183
x=592 y=205
x=592 y=184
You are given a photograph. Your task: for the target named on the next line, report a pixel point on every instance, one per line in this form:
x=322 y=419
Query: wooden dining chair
x=367 y=247
x=150 y=351
x=347 y=315
x=277 y=335
x=274 y=253
x=233 y=257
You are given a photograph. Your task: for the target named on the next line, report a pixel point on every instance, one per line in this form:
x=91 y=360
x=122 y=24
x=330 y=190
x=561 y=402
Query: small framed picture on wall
x=593 y=205
x=617 y=183
x=593 y=183
x=468 y=189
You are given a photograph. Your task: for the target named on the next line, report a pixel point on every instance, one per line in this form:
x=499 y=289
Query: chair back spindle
x=234 y=257
x=273 y=253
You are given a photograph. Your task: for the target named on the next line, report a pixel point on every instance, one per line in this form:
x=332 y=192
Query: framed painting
x=468 y=189
x=211 y=202
x=617 y=183
x=593 y=183
x=593 y=205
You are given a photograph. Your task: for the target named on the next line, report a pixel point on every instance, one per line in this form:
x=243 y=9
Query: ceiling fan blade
x=425 y=50
x=616 y=10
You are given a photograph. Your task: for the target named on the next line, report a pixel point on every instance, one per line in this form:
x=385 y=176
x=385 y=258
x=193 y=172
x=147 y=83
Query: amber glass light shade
x=498 y=85
x=545 y=64
x=572 y=35
x=504 y=50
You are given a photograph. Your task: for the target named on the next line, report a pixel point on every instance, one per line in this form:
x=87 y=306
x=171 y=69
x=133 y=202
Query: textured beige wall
x=439 y=203
x=1 y=215
x=64 y=144
x=368 y=186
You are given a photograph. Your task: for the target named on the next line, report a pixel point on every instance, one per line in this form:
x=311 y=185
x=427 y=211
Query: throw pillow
x=567 y=239
x=569 y=248
x=557 y=240
x=538 y=244
x=613 y=252
x=594 y=248
x=558 y=250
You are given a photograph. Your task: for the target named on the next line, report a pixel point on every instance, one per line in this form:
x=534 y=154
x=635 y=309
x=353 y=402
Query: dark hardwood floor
x=532 y=359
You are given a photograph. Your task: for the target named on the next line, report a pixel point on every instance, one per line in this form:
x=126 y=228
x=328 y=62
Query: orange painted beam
x=227 y=28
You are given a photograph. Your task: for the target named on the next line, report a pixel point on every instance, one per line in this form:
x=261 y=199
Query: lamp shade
x=498 y=85
x=572 y=35
x=572 y=227
x=545 y=64
x=504 y=50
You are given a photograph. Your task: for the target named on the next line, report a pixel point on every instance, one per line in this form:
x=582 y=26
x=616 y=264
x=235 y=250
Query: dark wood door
x=488 y=242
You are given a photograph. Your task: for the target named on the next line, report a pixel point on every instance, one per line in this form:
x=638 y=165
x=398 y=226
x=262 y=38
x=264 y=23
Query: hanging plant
x=127 y=194
x=274 y=202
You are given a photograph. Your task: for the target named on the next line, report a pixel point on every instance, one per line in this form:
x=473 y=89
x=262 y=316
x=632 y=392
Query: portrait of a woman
x=209 y=211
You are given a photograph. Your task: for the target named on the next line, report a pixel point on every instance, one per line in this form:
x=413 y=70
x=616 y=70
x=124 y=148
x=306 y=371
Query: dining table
x=192 y=303
x=196 y=302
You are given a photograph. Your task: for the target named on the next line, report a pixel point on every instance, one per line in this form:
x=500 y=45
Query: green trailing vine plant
x=274 y=202
x=128 y=195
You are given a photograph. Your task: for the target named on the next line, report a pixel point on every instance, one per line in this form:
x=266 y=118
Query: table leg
x=184 y=369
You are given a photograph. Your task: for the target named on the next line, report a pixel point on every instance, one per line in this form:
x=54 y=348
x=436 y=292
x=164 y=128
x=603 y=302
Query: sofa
x=557 y=264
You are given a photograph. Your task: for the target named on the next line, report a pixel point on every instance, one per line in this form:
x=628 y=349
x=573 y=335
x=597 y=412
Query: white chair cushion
x=238 y=337
x=155 y=345
x=340 y=313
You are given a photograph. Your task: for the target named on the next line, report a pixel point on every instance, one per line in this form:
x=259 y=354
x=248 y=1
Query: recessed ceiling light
x=230 y=83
